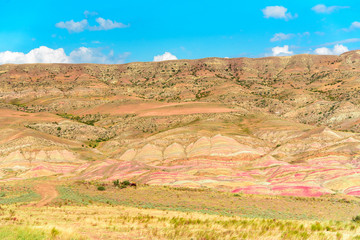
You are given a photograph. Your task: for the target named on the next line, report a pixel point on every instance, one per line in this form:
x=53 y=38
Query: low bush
x=123 y=184
x=116 y=183
x=356 y=219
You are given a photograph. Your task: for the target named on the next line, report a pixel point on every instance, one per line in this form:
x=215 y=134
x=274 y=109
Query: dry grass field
x=119 y=222
x=337 y=208
x=78 y=210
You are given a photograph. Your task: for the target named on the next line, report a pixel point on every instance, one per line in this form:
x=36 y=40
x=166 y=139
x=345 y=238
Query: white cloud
x=166 y=56
x=88 y=13
x=355 y=25
x=349 y=40
x=304 y=34
x=106 y=24
x=38 y=55
x=323 y=51
x=95 y=55
x=281 y=36
x=281 y=51
x=89 y=55
x=337 y=50
x=76 y=27
x=340 y=49
x=47 y=55
x=73 y=26
x=321 y=8
x=278 y=12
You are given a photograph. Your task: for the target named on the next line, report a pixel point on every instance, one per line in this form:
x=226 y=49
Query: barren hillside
x=277 y=125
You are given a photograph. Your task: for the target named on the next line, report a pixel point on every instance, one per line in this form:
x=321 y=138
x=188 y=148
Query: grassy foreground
x=336 y=208
x=118 y=222
x=78 y=210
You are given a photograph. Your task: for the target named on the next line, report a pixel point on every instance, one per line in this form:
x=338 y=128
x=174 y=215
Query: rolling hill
x=276 y=125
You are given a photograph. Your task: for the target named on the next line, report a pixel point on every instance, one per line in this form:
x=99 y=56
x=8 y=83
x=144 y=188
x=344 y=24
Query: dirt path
x=48 y=193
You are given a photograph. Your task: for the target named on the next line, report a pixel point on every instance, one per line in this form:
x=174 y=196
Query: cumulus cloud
x=38 y=55
x=278 y=12
x=355 y=25
x=340 y=49
x=73 y=26
x=106 y=24
x=281 y=51
x=95 y=55
x=281 y=37
x=337 y=50
x=323 y=51
x=47 y=55
x=166 y=56
x=321 y=8
x=103 y=24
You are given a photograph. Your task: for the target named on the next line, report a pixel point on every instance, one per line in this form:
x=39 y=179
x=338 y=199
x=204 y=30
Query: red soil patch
x=155 y=109
x=11 y=117
x=186 y=109
x=48 y=194
x=114 y=109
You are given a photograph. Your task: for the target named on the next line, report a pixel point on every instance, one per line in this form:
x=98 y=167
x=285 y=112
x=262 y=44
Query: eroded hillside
x=278 y=125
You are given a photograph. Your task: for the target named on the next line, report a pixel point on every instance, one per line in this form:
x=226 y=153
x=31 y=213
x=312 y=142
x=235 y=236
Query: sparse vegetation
x=81 y=119
x=11 y=195
x=241 y=126
x=122 y=222
x=356 y=219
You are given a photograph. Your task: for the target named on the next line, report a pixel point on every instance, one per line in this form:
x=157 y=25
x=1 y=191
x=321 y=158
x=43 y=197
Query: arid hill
x=277 y=125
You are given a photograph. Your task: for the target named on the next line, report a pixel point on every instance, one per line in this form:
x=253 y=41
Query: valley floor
x=33 y=209
x=119 y=222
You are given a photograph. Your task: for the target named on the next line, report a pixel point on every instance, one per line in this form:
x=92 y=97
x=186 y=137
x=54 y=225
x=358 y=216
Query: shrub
x=316 y=227
x=356 y=219
x=125 y=183
x=54 y=232
x=116 y=183
x=101 y=188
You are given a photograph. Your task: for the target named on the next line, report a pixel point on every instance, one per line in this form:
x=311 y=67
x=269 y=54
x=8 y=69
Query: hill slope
x=278 y=125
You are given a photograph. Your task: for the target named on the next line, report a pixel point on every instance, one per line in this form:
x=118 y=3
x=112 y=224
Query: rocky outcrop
x=73 y=130
x=216 y=146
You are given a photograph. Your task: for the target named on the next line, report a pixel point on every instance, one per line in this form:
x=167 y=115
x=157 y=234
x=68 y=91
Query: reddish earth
x=185 y=109
x=278 y=125
x=48 y=194
x=156 y=109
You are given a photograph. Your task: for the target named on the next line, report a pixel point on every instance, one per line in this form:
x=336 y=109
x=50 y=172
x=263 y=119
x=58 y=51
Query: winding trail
x=48 y=194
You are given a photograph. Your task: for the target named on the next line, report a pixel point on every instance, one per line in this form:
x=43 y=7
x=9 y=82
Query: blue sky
x=131 y=31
